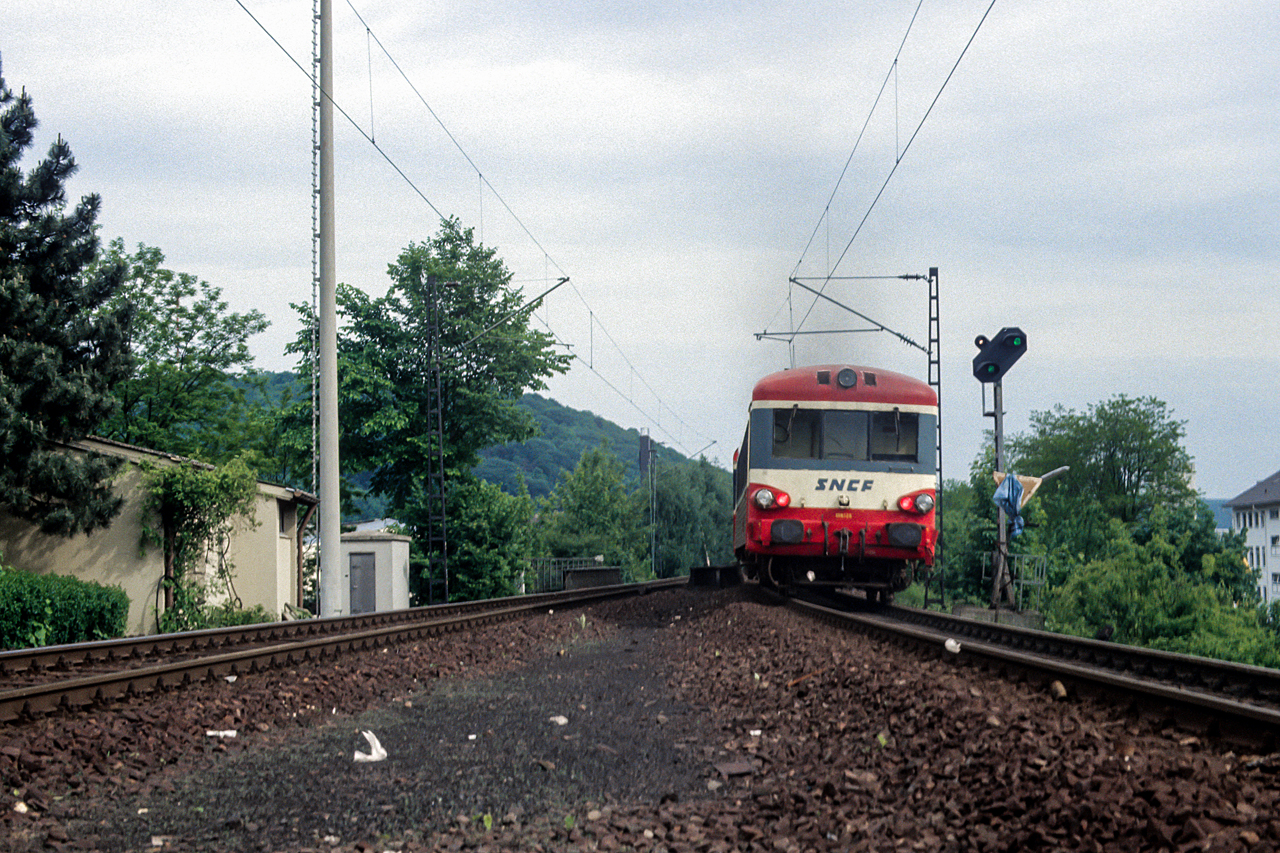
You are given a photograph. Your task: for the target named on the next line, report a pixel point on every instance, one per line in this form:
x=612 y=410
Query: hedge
x=49 y=610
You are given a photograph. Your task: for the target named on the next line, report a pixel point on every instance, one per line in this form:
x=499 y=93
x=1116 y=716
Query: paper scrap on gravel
x=560 y=721
x=375 y=753
x=221 y=732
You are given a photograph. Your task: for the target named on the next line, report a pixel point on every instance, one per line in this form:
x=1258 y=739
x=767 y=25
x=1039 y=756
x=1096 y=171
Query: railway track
x=1237 y=701
x=859 y=746
x=40 y=681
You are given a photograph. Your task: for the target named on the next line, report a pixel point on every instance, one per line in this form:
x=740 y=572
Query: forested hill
x=566 y=433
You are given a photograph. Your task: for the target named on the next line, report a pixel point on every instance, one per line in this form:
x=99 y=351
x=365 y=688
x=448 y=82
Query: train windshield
x=860 y=436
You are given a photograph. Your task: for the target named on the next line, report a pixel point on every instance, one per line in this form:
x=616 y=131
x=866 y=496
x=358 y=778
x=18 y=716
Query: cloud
x=1100 y=175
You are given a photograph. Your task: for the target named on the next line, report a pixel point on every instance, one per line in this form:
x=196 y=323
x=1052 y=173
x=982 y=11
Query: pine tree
x=60 y=354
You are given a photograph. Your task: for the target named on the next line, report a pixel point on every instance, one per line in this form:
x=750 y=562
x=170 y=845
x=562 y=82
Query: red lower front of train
x=875 y=549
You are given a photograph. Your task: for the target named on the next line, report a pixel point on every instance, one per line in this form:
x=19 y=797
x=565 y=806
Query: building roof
x=374 y=536
x=1264 y=492
x=134 y=453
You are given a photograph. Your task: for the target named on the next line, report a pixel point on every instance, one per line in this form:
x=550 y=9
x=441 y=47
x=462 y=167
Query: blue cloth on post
x=1008 y=497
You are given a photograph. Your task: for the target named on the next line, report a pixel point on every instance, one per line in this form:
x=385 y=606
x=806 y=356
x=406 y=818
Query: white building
x=1256 y=511
x=266 y=554
x=377 y=571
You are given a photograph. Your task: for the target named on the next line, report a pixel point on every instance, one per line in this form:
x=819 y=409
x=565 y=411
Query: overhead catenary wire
x=452 y=138
x=911 y=139
x=371 y=35
x=824 y=218
x=899 y=156
x=656 y=420
x=884 y=84
x=329 y=97
x=368 y=50
x=485 y=182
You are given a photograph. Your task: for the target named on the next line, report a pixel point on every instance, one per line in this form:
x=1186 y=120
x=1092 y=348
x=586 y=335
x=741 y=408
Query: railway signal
x=996 y=355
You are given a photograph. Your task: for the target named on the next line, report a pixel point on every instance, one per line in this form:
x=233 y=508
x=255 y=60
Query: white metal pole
x=333 y=591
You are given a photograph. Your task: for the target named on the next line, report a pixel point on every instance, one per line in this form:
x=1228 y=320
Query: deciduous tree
x=487 y=356
x=491 y=535
x=189 y=351
x=693 y=510
x=1126 y=457
x=1126 y=453
x=1142 y=594
x=591 y=513
x=1129 y=475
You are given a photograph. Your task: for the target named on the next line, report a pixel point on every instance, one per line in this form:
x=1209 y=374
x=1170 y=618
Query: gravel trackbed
x=686 y=720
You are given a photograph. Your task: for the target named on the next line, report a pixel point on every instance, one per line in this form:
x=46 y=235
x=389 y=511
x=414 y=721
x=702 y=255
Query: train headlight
x=768 y=499
x=919 y=503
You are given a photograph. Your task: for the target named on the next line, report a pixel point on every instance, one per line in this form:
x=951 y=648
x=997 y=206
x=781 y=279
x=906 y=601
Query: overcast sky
x=1103 y=175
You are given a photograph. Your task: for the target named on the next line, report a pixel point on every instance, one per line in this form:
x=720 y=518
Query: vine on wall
x=197 y=508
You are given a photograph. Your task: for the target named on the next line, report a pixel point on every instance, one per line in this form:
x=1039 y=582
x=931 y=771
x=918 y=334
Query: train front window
x=895 y=436
x=796 y=433
x=846 y=435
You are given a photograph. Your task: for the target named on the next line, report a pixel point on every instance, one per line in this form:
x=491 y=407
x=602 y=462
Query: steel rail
x=1206 y=688
x=403 y=626
x=1236 y=680
x=64 y=657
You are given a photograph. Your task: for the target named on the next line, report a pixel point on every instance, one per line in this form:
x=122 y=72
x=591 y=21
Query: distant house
x=265 y=555
x=1256 y=511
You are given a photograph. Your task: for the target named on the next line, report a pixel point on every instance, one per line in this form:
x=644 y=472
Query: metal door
x=364 y=583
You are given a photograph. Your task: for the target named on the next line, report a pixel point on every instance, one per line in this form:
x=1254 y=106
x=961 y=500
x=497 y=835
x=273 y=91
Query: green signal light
x=998 y=353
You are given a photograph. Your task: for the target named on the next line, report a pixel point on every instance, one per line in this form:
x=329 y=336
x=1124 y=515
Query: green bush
x=227 y=615
x=50 y=610
x=1144 y=595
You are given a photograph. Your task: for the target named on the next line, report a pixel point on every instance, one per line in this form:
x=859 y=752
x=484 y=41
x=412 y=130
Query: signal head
x=997 y=355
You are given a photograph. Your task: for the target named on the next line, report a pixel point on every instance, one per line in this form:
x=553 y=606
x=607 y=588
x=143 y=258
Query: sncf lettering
x=826 y=484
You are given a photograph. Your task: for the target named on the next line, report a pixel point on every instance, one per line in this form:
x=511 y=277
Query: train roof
x=831 y=382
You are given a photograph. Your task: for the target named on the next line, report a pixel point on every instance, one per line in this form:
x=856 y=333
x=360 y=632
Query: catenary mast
x=333 y=592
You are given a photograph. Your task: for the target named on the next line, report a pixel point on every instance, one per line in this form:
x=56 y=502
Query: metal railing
x=546 y=574
x=1027 y=573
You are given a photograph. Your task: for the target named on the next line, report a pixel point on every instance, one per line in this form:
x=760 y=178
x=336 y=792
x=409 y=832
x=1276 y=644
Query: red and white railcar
x=835 y=481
